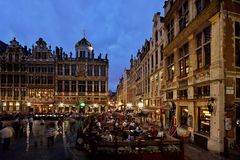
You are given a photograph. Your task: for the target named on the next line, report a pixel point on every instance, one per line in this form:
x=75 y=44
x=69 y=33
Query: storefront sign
x=228 y=109
x=229 y=90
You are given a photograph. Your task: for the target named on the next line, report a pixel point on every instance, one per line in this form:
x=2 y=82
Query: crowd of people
x=79 y=130
x=98 y=128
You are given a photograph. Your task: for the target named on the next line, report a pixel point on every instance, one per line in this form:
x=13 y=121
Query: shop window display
x=184 y=115
x=204 y=120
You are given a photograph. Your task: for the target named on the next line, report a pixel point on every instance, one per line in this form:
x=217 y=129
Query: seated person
x=109 y=137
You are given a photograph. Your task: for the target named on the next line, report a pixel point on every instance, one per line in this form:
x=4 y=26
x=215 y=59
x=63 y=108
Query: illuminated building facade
x=42 y=81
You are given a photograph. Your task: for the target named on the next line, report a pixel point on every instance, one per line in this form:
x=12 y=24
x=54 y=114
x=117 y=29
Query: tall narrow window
x=170 y=30
x=237 y=44
x=203 y=50
x=183 y=16
x=73 y=69
x=184 y=60
x=66 y=86
x=81 y=86
x=59 y=85
x=237 y=87
x=89 y=86
x=156 y=36
x=89 y=70
x=156 y=57
x=152 y=62
x=73 y=86
x=161 y=52
x=96 y=70
x=60 y=69
x=170 y=67
x=96 y=86
x=66 y=69
x=103 y=86
x=103 y=70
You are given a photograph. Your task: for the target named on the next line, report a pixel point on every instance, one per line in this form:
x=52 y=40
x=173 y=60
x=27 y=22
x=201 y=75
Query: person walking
x=50 y=134
x=6 y=134
x=60 y=126
x=30 y=124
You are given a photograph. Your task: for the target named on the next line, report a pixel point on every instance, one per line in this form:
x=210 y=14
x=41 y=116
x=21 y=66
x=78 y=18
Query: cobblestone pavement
x=34 y=147
x=192 y=152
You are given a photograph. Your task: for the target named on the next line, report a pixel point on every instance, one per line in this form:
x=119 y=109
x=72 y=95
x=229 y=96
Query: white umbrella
x=6 y=132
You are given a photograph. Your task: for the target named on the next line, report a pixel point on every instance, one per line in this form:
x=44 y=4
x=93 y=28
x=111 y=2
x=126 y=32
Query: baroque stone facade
x=41 y=80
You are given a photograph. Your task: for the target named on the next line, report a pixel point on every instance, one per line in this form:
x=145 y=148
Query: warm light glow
x=206 y=112
x=17 y=104
x=50 y=105
x=4 y=104
x=186 y=110
x=158 y=111
x=95 y=105
x=61 y=105
x=129 y=105
x=28 y=104
x=140 y=105
x=11 y=103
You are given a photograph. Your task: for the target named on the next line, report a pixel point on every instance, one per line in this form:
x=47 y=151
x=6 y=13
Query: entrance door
x=238 y=125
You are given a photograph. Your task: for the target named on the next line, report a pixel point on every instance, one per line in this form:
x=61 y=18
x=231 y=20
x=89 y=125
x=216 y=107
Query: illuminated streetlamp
x=28 y=104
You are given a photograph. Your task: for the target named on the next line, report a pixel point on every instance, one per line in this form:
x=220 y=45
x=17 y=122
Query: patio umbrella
x=6 y=132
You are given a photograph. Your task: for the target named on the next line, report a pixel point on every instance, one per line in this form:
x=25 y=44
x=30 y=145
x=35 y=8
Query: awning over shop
x=42 y=103
x=147 y=110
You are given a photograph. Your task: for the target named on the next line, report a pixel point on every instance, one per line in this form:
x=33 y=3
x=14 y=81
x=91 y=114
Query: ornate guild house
x=40 y=80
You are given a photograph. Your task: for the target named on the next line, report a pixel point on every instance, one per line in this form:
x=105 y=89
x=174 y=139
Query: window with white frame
x=203 y=50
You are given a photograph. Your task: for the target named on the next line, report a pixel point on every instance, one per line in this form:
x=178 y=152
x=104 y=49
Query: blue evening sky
x=116 y=27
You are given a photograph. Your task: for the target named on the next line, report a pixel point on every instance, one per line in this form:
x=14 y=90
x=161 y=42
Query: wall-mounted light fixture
x=210 y=104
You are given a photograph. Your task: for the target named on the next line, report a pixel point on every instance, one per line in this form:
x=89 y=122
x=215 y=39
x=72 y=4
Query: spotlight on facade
x=28 y=104
x=140 y=105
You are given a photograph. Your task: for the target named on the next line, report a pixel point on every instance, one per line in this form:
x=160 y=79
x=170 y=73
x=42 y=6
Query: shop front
x=203 y=126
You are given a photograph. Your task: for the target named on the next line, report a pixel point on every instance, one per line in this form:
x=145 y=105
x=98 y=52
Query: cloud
x=117 y=27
